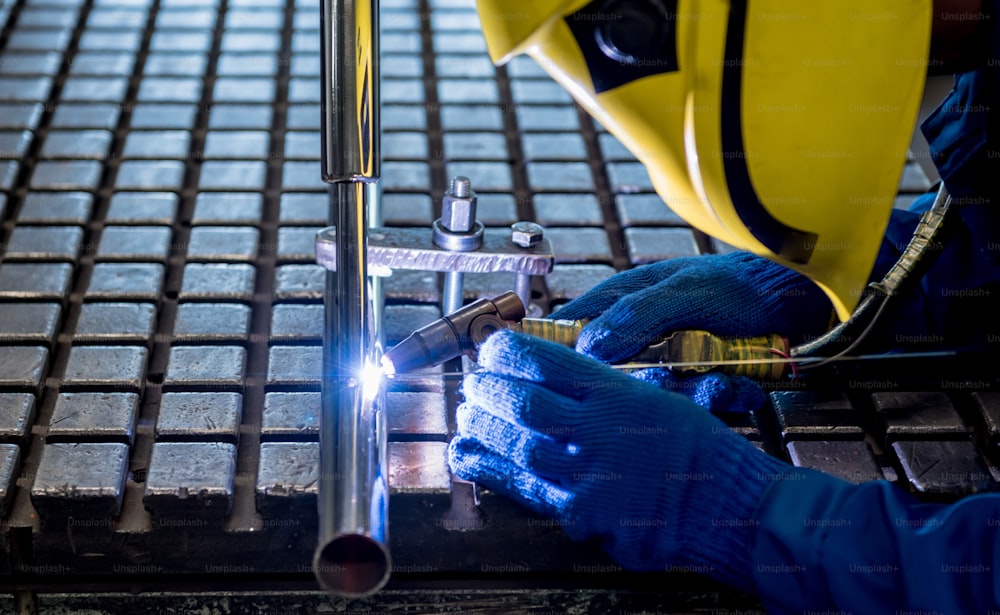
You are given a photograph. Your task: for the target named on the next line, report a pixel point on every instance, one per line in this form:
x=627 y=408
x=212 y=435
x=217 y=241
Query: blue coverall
x=565 y=441
x=874 y=547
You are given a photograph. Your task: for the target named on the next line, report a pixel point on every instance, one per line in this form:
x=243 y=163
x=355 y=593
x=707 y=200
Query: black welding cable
x=915 y=260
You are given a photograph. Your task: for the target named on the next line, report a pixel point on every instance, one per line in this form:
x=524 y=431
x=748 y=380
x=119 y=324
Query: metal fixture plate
x=412 y=248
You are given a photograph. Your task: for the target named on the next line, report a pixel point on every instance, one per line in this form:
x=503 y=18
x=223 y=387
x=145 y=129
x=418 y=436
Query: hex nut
x=526 y=234
x=458 y=214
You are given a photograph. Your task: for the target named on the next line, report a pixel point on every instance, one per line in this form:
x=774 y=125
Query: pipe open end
x=352 y=565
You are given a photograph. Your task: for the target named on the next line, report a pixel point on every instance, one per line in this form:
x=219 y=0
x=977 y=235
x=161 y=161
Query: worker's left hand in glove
x=714 y=391
x=660 y=482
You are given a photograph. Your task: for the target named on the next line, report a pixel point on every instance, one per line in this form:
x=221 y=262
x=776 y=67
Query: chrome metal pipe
x=349 y=74
x=352 y=554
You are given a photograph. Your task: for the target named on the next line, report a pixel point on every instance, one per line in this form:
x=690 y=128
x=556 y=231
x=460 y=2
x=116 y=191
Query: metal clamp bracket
x=414 y=248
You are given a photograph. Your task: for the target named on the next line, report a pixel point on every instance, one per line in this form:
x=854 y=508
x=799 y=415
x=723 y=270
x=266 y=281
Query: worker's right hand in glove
x=737 y=294
x=660 y=482
x=741 y=294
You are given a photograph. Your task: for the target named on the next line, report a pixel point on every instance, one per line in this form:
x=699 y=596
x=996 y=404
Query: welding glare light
x=371 y=380
x=388 y=367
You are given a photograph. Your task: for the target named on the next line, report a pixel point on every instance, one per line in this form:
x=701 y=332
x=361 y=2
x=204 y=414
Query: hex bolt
x=457 y=229
x=461 y=187
x=458 y=207
x=527 y=235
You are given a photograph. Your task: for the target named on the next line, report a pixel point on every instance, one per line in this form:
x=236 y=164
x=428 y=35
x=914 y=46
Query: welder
x=780 y=128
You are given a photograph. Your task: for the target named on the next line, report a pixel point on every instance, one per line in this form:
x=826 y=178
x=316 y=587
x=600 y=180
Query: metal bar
x=413 y=248
x=451 y=300
x=352 y=553
x=522 y=286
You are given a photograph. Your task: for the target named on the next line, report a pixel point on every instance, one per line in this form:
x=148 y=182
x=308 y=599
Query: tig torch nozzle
x=459 y=333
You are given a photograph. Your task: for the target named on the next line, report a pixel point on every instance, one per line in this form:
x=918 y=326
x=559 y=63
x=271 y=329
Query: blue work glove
x=660 y=482
x=737 y=294
x=714 y=391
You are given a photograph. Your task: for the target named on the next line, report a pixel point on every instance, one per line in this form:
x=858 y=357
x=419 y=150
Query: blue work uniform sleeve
x=956 y=302
x=825 y=545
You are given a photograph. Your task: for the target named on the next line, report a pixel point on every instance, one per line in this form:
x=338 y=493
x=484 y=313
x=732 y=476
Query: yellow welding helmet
x=778 y=126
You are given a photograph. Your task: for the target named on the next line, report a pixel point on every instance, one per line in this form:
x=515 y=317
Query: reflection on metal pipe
x=352 y=554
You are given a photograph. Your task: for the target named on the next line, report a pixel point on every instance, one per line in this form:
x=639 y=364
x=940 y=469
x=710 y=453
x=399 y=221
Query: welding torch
x=687 y=352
